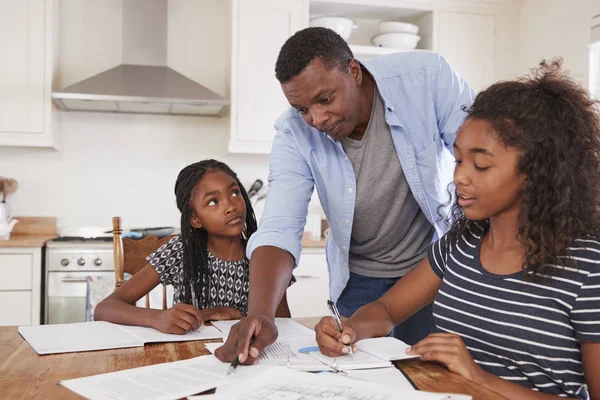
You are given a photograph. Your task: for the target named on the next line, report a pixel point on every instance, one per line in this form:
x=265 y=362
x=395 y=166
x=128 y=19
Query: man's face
x=327 y=99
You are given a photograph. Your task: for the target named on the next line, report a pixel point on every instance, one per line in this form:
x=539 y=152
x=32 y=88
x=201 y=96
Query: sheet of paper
x=101 y=335
x=279 y=383
x=83 y=336
x=151 y=335
x=166 y=381
x=286 y=327
x=386 y=376
x=359 y=360
x=212 y=347
x=387 y=348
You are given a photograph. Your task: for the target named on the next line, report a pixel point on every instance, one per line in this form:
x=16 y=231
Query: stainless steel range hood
x=142 y=84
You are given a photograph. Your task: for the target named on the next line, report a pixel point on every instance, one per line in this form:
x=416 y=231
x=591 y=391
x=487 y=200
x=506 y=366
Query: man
x=374 y=139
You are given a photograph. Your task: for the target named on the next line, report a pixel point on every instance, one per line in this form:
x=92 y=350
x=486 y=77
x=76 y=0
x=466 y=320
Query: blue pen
x=336 y=317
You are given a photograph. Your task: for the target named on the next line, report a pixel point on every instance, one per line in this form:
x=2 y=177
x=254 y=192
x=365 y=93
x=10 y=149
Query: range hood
x=143 y=83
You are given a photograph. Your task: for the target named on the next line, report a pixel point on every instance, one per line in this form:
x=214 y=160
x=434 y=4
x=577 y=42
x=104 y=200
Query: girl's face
x=486 y=176
x=218 y=205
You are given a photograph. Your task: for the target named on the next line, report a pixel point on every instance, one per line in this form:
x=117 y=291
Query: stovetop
x=83 y=239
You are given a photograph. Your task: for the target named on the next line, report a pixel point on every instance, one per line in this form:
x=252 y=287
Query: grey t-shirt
x=390 y=233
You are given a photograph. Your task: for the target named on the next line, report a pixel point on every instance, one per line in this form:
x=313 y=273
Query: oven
x=69 y=261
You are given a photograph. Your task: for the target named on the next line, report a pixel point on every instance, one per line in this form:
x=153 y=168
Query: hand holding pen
x=335 y=314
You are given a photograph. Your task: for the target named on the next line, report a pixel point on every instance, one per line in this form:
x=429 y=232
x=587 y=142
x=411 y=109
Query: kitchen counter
x=31 y=232
x=26 y=241
x=308 y=242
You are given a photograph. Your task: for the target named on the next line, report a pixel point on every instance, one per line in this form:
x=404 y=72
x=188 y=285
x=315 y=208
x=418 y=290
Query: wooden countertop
x=26 y=241
x=31 y=232
x=309 y=243
x=26 y=375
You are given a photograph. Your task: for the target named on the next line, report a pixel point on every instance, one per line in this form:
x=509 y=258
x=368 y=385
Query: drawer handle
x=78 y=280
x=307 y=276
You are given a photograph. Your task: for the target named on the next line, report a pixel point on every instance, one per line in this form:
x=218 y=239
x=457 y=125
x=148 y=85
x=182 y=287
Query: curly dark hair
x=195 y=250
x=555 y=126
x=306 y=45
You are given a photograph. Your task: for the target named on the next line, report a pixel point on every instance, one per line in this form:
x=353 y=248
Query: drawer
x=16 y=271
x=15 y=308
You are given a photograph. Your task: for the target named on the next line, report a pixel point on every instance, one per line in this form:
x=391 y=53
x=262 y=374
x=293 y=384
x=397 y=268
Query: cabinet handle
x=73 y=280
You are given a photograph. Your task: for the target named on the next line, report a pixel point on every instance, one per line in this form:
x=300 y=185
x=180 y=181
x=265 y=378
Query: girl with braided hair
x=205 y=263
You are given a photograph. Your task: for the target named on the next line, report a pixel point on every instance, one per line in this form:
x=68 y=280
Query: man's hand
x=179 y=319
x=259 y=327
x=221 y=313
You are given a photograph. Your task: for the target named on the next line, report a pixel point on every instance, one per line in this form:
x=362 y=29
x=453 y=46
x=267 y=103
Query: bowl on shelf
x=341 y=25
x=396 y=40
x=397 y=26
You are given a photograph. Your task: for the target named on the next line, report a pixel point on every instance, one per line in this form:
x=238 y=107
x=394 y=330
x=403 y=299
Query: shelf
x=363 y=9
x=373 y=51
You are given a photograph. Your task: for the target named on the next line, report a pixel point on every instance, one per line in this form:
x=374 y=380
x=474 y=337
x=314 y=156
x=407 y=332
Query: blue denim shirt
x=423 y=97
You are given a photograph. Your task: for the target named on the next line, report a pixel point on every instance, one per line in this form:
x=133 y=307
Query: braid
x=195 y=241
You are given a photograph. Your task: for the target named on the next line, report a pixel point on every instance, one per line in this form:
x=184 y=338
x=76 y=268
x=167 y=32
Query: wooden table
x=26 y=375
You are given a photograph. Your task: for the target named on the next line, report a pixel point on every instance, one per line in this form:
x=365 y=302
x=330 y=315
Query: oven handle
x=70 y=279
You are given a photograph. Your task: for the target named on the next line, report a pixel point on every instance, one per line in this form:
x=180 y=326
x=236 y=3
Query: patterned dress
x=227 y=285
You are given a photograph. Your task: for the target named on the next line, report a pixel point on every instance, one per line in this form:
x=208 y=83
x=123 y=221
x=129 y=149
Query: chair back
x=130 y=256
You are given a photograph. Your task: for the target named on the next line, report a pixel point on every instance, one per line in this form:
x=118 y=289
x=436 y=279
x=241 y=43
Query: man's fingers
x=228 y=352
x=211 y=314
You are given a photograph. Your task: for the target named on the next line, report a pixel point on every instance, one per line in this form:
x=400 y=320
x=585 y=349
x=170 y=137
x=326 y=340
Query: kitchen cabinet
x=308 y=296
x=468 y=42
x=260 y=27
x=20 y=288
x=26 y=72
x=478 y=39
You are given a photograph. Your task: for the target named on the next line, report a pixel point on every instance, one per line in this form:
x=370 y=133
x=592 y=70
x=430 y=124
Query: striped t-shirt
x=523 y=330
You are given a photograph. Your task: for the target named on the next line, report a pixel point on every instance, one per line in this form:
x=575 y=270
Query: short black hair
x=306 y=45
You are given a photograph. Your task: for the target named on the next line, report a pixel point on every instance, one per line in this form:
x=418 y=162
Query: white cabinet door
x=308 y=296
x=21 y=287
x=468 y=42
x=260 y=27
x=25 y=72
x=15 y=308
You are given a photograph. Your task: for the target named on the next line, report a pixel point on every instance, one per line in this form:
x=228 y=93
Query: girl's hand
x=331 y=341
x=221 y=313
x=450 y=350
x=179 y=319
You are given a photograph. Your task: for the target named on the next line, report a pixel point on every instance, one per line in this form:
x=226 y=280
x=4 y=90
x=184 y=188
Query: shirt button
x=350 y=190
x=344 y=247
x=346 y=158
x=347 y=222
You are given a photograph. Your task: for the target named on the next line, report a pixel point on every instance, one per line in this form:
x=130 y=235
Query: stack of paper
x=280 y=383
x=101 y=335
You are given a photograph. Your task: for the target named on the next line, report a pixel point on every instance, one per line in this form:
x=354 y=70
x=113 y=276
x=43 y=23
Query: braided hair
x=195 y=249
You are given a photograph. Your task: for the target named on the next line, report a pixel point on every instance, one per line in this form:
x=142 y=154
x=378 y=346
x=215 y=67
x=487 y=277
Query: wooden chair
x=130 y=256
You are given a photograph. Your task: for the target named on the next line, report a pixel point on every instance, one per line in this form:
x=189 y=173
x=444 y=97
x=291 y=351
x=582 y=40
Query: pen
x=336 y=317
x=236 y=362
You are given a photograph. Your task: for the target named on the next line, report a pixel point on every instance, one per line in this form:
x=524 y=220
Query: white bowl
x=341 y=25
x=397 y=26
x=397 y=40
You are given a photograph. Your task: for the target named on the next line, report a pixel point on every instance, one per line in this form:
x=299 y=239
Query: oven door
x=67 y=296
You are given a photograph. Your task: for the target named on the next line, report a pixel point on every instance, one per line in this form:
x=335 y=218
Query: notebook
x=101 y=335
x=386 y=348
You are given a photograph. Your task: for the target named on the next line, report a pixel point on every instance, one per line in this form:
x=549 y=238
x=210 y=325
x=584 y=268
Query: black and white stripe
x=521 y=329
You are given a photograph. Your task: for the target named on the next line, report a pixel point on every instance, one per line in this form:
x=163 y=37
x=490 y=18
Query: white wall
x=127 y=164
x=552 y=28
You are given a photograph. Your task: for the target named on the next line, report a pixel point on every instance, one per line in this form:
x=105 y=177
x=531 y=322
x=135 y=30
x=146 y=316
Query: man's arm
x=273 y=250
x=270 y=275
x=452 y=93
